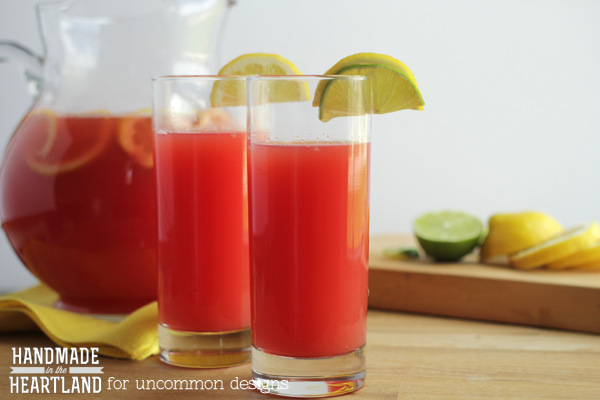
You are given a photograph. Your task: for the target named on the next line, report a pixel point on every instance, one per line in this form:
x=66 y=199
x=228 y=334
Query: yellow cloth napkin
x=136 y=337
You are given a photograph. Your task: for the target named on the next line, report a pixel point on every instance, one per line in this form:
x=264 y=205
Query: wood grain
x=555 y=299
x=409 y=357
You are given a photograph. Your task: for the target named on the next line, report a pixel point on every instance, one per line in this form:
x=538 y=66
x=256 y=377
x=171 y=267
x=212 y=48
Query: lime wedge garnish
x=447 y=235
x=394 y=87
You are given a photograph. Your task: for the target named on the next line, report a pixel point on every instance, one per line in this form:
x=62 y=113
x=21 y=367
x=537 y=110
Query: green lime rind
x=447 y=252
x=402 y=74
x=321 y=100
x=448 y=235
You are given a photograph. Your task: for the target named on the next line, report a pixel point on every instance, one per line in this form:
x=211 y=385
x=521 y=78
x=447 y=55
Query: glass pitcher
x=77 y=191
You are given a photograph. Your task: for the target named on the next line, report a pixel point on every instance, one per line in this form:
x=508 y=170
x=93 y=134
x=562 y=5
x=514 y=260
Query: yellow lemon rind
x=233 y=93
x=53 y=131
x=128 y=144
x=228 y=69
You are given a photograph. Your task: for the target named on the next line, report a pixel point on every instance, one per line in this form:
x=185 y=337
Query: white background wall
x=512 y=87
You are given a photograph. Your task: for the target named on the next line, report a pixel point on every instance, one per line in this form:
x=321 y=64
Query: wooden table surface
x=409 y=357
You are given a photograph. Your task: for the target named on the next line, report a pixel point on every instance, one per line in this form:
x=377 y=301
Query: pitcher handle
x=28 y=62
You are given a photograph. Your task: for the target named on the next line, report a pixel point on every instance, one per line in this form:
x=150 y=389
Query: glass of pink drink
x=204 y=288
x=308 y=199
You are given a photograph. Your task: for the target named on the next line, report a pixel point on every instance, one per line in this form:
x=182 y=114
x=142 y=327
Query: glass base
x=309 y=377
x=204 y=349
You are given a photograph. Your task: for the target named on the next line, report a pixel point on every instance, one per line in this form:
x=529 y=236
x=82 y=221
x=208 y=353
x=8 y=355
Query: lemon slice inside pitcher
x=136 y=138
x=64 y=144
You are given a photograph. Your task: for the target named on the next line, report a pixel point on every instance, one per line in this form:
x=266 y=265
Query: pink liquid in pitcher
x=78 y=205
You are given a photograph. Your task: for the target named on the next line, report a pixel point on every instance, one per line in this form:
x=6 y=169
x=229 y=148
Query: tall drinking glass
x=309 y=232
x=204 y=289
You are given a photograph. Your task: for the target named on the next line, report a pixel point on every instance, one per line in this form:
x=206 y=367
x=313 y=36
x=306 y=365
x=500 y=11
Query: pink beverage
x=203 y=264
x=310 y=239
x=203 y=241
x=308 y=200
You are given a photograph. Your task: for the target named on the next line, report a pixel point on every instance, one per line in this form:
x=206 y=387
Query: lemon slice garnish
x=233 y=93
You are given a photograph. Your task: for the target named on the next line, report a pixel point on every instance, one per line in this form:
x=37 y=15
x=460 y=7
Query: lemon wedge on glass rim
x=233 y=93
x=394 y=87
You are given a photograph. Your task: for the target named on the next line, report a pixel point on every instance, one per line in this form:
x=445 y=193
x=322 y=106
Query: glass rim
x=305 y=77
x=165 y=78
x=192 y=78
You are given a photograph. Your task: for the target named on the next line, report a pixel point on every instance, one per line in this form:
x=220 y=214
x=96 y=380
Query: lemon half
x=511 y=233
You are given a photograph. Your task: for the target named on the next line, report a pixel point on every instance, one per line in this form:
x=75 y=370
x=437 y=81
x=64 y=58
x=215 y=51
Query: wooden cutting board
x=555 y=299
